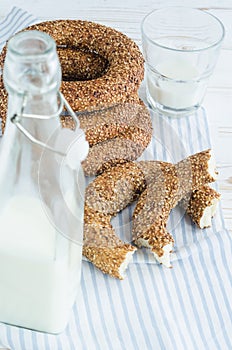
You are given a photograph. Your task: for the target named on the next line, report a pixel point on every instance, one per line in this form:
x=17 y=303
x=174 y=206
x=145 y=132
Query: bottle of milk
x=42 y=196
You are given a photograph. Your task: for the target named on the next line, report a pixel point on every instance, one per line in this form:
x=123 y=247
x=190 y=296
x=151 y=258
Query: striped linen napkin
x=16 y=20
x=188 y=307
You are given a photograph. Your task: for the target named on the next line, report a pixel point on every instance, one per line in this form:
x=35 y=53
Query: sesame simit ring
x=100 y=65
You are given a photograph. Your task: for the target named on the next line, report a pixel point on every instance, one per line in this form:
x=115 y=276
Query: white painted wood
x=126 y=16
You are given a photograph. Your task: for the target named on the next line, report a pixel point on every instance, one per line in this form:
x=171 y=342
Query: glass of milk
x=181 y=47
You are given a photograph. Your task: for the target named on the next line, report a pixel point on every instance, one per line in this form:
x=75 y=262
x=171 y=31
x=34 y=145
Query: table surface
x=126 y=16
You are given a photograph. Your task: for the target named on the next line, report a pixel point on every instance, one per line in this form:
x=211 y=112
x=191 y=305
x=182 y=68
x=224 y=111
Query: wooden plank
x=73 y=8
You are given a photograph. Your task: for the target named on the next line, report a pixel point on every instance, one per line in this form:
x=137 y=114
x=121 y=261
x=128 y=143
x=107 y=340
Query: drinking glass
x=181 y=46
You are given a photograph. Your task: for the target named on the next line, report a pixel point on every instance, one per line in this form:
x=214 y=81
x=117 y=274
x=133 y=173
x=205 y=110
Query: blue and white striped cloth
x=188 y=307
x=15 y=21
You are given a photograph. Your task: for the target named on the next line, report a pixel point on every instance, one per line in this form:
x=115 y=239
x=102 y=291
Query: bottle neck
x=44 y=104
x=20 y=157
x=31 y=69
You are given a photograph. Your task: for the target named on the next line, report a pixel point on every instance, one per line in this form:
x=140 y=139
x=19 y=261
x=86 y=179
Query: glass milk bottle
x=41 y=233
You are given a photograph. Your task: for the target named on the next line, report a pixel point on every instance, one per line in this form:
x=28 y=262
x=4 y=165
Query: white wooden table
x=126 y=16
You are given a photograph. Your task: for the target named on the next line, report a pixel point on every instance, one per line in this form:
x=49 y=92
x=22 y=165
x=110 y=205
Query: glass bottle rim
x=47 y=44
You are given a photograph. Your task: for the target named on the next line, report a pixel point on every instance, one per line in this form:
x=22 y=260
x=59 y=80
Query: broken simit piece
x=159 y=187
x=201 y=205
x=163 y=192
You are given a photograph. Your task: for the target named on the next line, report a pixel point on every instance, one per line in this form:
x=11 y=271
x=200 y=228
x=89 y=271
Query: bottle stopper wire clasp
x=16 y=120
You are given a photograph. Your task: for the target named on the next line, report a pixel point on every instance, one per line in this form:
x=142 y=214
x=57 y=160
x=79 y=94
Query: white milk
x=39 y=268
x=181 y=92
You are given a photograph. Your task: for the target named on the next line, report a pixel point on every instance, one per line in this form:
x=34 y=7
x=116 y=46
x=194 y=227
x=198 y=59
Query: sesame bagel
x=116 y=135
x=158 y=186
x=166 y=186
x=118 y=61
